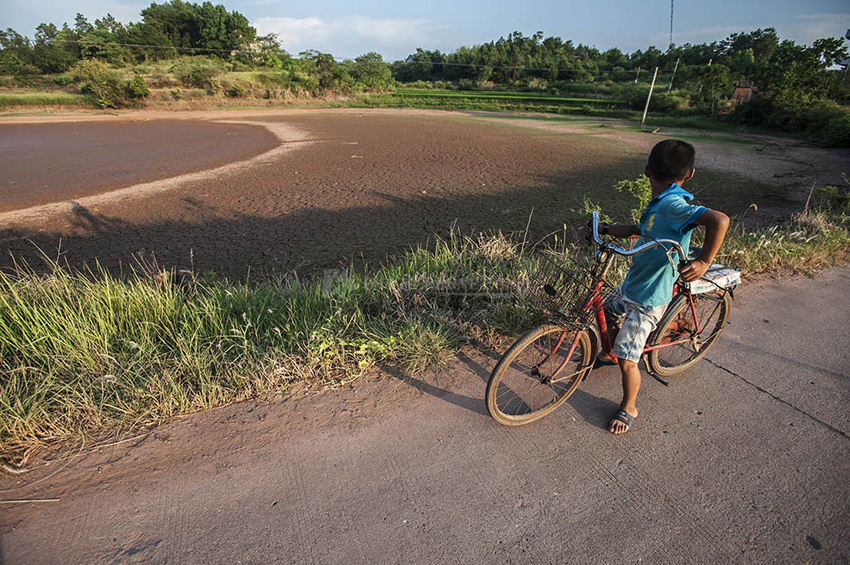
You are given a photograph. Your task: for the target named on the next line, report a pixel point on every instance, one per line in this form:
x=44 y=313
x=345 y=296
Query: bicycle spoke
x=687 y=336
x=567 y=377
x=539 y=375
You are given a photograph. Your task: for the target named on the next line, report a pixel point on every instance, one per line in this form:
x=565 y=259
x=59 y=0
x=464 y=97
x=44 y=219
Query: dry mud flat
x=269 y=192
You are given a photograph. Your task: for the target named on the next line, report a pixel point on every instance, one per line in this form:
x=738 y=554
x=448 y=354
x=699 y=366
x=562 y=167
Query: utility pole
x=709 y=64
x=649 y=97
x=846 y=62
x=637 y=74
x=669 y=88
x=671 y=25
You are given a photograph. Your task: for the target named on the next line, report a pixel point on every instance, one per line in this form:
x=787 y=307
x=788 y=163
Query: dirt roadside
x=742 y=460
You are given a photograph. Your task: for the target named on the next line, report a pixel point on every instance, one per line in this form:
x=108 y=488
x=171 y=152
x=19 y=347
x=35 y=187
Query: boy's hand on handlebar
x=693 y=270
x=588 y=229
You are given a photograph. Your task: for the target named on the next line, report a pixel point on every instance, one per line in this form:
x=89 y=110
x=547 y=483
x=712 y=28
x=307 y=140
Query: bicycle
x=546 y=365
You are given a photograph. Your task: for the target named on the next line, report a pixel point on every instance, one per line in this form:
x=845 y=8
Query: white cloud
x=348 y=36
x=816 y=26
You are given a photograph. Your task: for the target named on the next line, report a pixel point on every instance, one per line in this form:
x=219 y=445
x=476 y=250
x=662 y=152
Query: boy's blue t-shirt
x=667 y=216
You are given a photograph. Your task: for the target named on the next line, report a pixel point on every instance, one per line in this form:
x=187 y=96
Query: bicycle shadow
x=426 y=383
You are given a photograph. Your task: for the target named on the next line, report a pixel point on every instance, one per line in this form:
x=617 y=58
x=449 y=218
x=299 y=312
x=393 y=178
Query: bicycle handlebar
x=675 y=246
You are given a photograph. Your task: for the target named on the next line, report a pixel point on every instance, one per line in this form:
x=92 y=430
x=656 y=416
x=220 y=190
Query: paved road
x=745 y=459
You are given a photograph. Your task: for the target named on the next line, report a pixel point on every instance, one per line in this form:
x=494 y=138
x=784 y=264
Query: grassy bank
x=41 y=99
x=83 y=355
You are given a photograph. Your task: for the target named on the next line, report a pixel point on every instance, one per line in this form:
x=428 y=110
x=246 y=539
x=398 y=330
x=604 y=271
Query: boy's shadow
x=595 y=410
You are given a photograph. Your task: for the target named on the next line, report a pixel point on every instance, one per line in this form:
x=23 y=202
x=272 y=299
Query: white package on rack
x=716 y=275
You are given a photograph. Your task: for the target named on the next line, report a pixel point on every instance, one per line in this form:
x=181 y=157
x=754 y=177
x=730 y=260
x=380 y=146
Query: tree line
x=165 y=32
x=783 y=67
x=795 y=83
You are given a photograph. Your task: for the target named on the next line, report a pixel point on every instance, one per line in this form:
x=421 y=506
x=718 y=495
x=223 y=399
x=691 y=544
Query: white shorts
x=636 y=323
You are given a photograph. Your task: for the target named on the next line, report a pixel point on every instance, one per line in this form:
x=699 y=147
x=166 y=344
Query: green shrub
x=197 y=72
x=239 y=90
x=824 y=120
x=836 y=197
x=137 y=88
x=816 y=117
x=104 y=84
x=662 y=102
x=837 y=131
x=216 y=87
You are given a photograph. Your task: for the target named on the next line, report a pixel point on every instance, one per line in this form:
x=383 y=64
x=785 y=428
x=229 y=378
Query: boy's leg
x=631 y=385
x=615 y=308
x=638 y=323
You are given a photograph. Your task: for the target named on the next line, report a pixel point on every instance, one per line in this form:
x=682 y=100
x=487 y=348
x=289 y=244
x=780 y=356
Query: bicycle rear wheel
x=678 y=325
x=538 y=373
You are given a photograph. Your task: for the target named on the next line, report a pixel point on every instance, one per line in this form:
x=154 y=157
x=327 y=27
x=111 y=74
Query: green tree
x=324 y=69
x=221 y=31
x=100 y=44
x=371 y=71
x=797 y=75
x=81 y=25
x=762 y=43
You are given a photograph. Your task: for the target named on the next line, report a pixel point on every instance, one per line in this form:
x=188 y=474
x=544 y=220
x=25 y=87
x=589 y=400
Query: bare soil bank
x=312 y=190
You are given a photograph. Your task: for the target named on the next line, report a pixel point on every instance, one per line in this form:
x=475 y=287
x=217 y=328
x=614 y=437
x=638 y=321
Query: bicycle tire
x=518 y=392
x=712 y=311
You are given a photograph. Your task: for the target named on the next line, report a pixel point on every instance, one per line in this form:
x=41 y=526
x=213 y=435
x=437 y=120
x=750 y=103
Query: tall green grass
x=83 y=353
x=44 y=99
x=808 y=241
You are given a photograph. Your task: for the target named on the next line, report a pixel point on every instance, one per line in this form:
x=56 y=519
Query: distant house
x=743 y=91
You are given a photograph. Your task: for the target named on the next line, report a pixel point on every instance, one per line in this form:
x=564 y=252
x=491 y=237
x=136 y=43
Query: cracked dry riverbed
x=263 y=193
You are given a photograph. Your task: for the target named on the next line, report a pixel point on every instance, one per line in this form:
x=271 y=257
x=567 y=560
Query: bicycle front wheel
x=537 y=374
x=682 y=339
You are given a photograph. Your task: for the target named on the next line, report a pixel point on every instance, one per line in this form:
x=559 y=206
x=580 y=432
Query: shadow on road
x=469 y=403
x=594 y=410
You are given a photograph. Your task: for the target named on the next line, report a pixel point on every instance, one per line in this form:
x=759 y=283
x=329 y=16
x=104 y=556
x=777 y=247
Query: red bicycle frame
x=595 y=301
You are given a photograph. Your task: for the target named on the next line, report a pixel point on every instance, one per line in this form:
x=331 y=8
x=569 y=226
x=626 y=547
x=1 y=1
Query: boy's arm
x=614 y=230
x=716 y=223
x=623 y=230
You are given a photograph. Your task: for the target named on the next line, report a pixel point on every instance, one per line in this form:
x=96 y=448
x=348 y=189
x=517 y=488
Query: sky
x=347 y=29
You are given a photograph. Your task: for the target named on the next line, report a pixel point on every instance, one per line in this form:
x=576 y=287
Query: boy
x=648 y=286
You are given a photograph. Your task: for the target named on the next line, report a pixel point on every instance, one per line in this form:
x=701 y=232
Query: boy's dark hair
x=671 y=160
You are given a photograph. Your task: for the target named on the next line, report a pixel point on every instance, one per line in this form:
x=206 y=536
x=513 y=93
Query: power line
x=77 y=41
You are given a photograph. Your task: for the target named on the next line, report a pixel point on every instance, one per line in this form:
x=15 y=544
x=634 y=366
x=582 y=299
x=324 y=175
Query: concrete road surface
x=745 y=459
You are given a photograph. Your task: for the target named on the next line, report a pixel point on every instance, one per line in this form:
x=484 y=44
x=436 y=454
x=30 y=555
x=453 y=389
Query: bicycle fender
x=595 y=340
